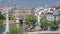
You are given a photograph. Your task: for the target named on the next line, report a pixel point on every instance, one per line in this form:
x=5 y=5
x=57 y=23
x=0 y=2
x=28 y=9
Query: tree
x=54 y=25
x=11 y=18
x=57 y=7
x=1 y=19
x=44 y=23
x=1 y=16
x=30 y=19
x=0 y=12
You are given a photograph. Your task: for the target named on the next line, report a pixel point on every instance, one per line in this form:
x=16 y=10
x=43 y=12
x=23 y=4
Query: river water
x=2 y=29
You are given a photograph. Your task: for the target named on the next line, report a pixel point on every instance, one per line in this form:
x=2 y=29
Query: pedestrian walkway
x=44 y=32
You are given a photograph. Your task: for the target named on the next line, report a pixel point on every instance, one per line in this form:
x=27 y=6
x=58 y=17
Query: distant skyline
x=29 y=3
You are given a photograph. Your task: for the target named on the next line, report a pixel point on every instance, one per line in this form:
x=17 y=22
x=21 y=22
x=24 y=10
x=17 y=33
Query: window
x=59 y=13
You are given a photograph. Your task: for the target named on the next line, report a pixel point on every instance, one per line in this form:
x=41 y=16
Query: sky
x=29 y=3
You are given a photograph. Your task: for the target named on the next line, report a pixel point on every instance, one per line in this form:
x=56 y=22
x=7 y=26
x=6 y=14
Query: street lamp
x=39 y=11
x=7 y=21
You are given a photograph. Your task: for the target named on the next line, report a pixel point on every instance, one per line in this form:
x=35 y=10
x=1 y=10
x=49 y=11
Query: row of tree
x=57 y=7
x=1 y=19
x=31 y=20
x=45 y=24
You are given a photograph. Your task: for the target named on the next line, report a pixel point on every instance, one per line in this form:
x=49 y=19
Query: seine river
x=2 y=29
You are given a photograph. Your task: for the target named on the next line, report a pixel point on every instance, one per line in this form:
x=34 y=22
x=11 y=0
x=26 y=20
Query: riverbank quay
x=44 y=32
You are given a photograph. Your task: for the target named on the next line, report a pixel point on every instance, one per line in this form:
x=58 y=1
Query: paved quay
x=45 y=32
x=48 y=33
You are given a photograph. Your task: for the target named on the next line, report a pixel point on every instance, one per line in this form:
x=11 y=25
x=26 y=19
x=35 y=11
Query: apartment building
x=48 y=12
x=57 y=14
x=22 y=12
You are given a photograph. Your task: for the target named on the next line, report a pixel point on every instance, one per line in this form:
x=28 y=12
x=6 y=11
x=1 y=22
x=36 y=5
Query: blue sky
x=29 y=3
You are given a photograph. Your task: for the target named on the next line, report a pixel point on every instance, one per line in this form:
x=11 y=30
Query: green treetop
x=30 y=19
x=57 y=7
